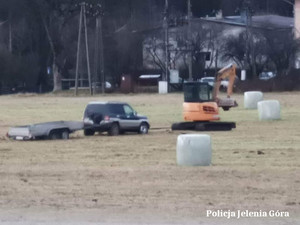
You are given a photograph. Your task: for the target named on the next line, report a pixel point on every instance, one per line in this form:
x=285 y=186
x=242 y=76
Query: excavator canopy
x=197 y=92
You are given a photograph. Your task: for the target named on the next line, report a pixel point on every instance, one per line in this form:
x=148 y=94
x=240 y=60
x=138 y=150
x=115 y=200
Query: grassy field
x=134 y=179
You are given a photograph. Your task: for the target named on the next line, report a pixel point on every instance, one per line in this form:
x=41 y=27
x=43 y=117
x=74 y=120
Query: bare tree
x=154 y=53
x=274 y=50
x=243 y=53
x=54 y=16
x=202 y=40
x=234 y=49
x=281 y=48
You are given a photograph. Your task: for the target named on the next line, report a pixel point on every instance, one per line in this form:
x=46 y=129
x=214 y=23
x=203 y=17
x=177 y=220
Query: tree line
x=38 y=39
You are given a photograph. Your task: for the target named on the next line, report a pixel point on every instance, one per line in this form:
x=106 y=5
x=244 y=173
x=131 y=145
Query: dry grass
x=133 y=178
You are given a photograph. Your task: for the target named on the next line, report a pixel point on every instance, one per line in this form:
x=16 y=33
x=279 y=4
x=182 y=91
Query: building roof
x=149 y=76
x=271 y=22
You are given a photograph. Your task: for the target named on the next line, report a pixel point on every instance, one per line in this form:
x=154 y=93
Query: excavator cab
x=198 y=103
x=197 y=92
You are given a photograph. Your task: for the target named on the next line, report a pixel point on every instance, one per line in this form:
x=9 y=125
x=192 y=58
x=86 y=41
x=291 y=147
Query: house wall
x=297 y=18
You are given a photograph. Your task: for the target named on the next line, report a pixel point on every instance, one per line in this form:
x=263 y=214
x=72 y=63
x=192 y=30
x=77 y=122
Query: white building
x=297 y=18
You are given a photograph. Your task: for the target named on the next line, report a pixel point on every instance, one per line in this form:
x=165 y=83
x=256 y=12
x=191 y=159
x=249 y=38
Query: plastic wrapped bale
x=269 y=110
x=193 y=150
x=251 y=98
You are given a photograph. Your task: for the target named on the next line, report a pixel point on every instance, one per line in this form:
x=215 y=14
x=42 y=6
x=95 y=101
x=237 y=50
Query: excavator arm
x=230 y=73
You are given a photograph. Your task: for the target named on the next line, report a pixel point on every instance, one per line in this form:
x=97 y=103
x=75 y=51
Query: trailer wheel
x=65 y=134
x=54 y=135
x=88 y=132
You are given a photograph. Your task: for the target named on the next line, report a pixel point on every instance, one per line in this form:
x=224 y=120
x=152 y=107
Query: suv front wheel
x=114 y=130
x=144 y=128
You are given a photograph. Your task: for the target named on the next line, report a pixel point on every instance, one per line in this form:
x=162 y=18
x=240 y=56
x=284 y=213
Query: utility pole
x=10 y=32
x=87 y=51
x=98 y=14
x=189 y=38
x=96 y=53
x=78 y=49
x=250 y=42
x=99 y=35
x=252 y=48
x=101 y=54
x=82 y=16
x=166 y=26
x=247 y=45
x=216 y=60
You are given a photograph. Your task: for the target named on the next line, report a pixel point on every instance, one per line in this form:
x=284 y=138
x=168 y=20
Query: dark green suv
x=114 y=118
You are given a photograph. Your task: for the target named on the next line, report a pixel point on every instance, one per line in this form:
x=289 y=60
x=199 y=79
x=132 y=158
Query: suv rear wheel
x=144 y=128
x=114 y=130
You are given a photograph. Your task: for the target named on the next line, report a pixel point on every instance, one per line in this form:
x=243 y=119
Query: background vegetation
x=38 y=39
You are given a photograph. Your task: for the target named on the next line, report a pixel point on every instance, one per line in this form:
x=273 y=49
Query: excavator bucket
x=226 y=103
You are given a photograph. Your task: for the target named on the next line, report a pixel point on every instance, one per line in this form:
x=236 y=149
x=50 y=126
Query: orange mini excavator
x=201 y=103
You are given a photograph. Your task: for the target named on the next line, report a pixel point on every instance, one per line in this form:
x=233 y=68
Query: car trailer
x=48 y=130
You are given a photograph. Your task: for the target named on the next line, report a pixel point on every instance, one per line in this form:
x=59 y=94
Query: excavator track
x=204 y=126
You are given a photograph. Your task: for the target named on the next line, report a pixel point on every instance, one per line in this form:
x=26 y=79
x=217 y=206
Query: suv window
x=128 y=110
x=116 y=109
x=95 y=108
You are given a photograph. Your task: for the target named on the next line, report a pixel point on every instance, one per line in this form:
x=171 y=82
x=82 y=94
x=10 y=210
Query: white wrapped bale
x=193 y=150
x=251 y=98
x=269 y=110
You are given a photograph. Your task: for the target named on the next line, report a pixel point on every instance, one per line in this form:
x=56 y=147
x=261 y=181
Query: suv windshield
x=128 y=110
